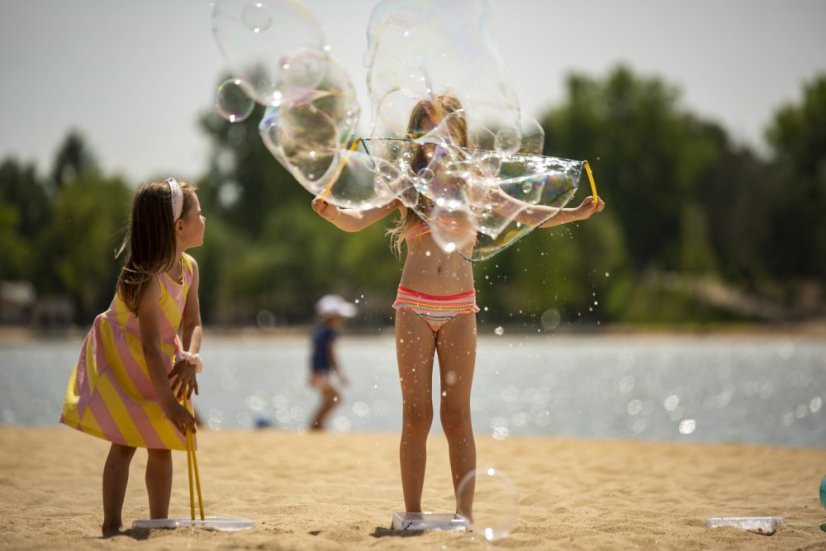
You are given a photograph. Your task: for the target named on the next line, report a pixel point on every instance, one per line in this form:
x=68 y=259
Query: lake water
x=695 y=389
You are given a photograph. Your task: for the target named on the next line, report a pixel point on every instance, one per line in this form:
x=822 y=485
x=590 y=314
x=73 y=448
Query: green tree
x=646 y=153
x=78 y=245
x=798 y=139
x=73 y=158
x=244 y=181
x=24 y=208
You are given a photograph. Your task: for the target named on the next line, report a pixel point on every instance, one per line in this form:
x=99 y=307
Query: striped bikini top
x=419 y=230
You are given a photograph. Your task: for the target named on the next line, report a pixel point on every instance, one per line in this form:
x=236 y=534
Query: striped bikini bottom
x=435 y=310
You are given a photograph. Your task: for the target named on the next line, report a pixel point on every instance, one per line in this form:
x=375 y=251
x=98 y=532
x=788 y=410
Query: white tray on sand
x=219 y=524
x=419 y=522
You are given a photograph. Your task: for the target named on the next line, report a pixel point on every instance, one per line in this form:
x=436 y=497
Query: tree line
x=698 y=228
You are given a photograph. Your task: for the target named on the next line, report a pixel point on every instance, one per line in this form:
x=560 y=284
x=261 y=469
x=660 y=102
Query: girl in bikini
x=435 y=316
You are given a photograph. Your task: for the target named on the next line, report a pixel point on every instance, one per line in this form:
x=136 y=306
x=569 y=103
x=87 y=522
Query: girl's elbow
x=150 y=349
x=351 y=228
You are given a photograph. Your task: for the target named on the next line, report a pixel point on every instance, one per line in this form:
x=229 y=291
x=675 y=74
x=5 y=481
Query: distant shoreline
x=810 y=329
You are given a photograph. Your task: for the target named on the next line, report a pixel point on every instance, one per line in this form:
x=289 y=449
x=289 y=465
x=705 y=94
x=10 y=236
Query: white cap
x=335 y=305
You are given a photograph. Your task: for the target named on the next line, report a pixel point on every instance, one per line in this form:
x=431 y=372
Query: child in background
x=134 y=371
x=331 y=311
x=435 y=311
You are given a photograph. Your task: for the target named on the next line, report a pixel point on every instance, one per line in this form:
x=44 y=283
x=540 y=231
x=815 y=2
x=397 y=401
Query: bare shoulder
x=151 y=296
x=190 y=262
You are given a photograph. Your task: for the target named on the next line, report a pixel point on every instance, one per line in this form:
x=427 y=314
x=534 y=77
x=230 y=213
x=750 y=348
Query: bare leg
x=159 y=482
x=115 y=478
x=456 y=346
x=415 y=346
x=329 y=400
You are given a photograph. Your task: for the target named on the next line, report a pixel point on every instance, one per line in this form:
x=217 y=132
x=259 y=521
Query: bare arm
x=351 y=220
x=184 y=382
x=583 y=212
x=191 y=331
x=532 y=215
x=148 y=316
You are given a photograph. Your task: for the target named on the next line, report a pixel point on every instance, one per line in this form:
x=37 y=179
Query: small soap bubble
x=233 y=100
x=550 y=319
x=499 y=331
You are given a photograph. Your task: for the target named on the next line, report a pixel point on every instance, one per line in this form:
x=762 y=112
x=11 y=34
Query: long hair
x=432 y=112
x=150 y=242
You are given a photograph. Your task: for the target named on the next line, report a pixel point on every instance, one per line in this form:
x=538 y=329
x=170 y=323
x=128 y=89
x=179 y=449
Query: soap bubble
x=255 y=35
x=550 y=319
x=453 y=229
x=418 y=49
x=233 y=100
x=447 y=139
x=495 y=502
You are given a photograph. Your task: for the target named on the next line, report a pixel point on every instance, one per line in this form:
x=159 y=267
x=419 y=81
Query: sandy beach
x=338 y=491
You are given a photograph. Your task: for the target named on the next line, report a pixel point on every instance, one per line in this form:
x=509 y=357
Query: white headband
x=177 y=197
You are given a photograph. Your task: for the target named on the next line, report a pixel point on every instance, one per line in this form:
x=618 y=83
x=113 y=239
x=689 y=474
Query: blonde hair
x=150 y=242
x=432 y=111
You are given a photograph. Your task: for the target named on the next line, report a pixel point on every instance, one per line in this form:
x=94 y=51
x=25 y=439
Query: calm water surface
x=700 y=389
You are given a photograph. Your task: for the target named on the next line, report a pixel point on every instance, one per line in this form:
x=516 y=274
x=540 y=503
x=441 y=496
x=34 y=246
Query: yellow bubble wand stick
x=192 y=469
x=591 y=180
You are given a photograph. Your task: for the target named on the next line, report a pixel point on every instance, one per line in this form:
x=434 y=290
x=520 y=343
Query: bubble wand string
x=593 y=184
x=326 y=191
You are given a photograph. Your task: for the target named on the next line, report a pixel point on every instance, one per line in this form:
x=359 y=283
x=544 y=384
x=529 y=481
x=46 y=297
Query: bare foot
x=108 y=531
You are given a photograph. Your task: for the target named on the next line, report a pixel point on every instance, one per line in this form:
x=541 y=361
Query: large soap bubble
x=418 y=49
x=495 y=502
x=447 y=136
x=256 y=36
x=494 y=178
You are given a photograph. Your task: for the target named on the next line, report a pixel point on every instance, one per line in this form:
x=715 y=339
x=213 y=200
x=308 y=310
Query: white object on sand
x=417 y=522
x=217 y=524
x=759 y=525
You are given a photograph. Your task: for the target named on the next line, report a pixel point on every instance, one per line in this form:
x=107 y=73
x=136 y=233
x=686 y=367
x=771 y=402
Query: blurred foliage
x=697 y=228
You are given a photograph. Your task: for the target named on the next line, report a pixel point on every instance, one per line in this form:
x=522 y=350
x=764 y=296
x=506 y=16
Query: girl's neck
x=176 y=272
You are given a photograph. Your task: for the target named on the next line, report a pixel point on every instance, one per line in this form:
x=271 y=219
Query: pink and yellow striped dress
x=110 y=394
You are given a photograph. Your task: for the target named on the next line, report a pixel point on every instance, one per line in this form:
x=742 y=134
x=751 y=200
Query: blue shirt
x=323 y=336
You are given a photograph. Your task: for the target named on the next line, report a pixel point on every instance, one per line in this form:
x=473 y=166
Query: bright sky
x=133 y=76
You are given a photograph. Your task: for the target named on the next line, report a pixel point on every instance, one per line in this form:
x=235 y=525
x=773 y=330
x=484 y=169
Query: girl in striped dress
x=135 y=370
x=435 y=314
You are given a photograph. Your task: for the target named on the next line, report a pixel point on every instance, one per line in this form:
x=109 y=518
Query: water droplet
x=687 y=426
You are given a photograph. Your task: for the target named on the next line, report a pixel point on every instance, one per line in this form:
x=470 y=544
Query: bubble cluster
x=447 y=136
